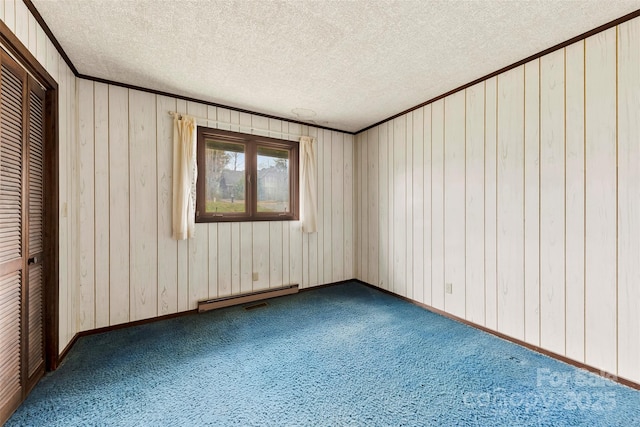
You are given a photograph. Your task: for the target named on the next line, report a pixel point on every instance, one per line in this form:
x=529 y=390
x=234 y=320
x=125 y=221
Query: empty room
x=319 y=212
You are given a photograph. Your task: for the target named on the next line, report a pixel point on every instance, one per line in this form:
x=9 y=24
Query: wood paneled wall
x=129 y=266
x=17 y=17
x=117 y=260
x=523 y=193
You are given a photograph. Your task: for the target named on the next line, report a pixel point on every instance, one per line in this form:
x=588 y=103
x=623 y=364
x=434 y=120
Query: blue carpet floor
x=336 y=356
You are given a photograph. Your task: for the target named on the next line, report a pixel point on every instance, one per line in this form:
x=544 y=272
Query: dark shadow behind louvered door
x=35 y=245
x=21 y=193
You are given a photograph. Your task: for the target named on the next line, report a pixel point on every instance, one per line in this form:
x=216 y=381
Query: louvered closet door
x=21 y=234
x=35 y=289
x=12 y=91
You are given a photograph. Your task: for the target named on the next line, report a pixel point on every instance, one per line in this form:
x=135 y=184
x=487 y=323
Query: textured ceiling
x=353 y=63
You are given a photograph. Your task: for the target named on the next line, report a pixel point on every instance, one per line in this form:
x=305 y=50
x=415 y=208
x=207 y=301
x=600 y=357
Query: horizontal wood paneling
x=530 y=194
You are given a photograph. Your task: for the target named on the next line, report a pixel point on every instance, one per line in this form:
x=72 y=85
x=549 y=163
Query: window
x=245 y=177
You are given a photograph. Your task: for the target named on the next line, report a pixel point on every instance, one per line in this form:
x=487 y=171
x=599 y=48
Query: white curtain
x=308 y=187
x=185 y=173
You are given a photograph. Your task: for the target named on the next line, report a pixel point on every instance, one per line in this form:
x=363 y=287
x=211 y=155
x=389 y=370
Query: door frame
x=14 y=47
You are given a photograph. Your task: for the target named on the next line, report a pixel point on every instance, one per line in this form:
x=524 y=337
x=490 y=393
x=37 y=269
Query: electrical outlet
x=255 y=277
x=448 y=288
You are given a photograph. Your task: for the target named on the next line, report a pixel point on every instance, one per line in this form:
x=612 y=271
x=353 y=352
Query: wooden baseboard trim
x=229 y=301
x=135 y=323
x=326 y=285
x=531 y=347
x=75 y=338
x=66 y=350
x=78 y=335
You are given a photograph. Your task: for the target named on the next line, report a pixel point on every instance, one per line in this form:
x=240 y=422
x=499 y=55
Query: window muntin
x=245 y=177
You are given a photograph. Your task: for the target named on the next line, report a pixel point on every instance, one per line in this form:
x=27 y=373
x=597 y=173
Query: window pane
x=273 y=180
x=225 y=177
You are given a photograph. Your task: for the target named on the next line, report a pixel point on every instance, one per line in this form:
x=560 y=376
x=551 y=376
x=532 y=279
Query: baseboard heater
x=212 y=304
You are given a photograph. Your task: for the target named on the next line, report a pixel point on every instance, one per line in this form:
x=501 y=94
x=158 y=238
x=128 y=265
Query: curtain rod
x=216 y=122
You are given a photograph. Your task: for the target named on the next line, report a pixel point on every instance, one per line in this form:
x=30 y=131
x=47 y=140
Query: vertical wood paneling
x=198 y=268
x=510 y=203
x=234 y=119
x=551 y=227
x=144 y=206
x=305 y=236
x=327 y=206
x=86 y=314
x=349 y=217
x=167 y=247
x=52 y=60
x=213 y=285
x=41 y=46
x=261 y=255
x=101 y=189
x=400 y=206
x=66 y=328
x=275 y=128
x=474 y=192
x=601 y=195
x=490 y=225
x=259 y=125
x=417 y=200
x=296 y=130
x=295 y=248
x=118 y=205
x=212 y=114
x=363 y=216
x=22 y=22
x=246 y=260
x=183 y=249
x=628 y=200
x=428 y=259
x=532 y=202
x=71 y=208
x=313 y=237
x=235 y=258
x=552 y=201
x=437 y=205
x=371 y=206
x=390 y=198
x=224 y=268
x=74 y=201
x=574 y=219
x=236 y=254
x=454 y=202
x=320 y=182
x=403 y=191
x=408 y=176
x=223 y=116
x=275 y=254
x=358 y=207
x=198 y=247
x=213 y=288
x=33 y=48
x=10 y=14
x=382 y=263
x=337 y=218
x=298 y=257
x=286 y=231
